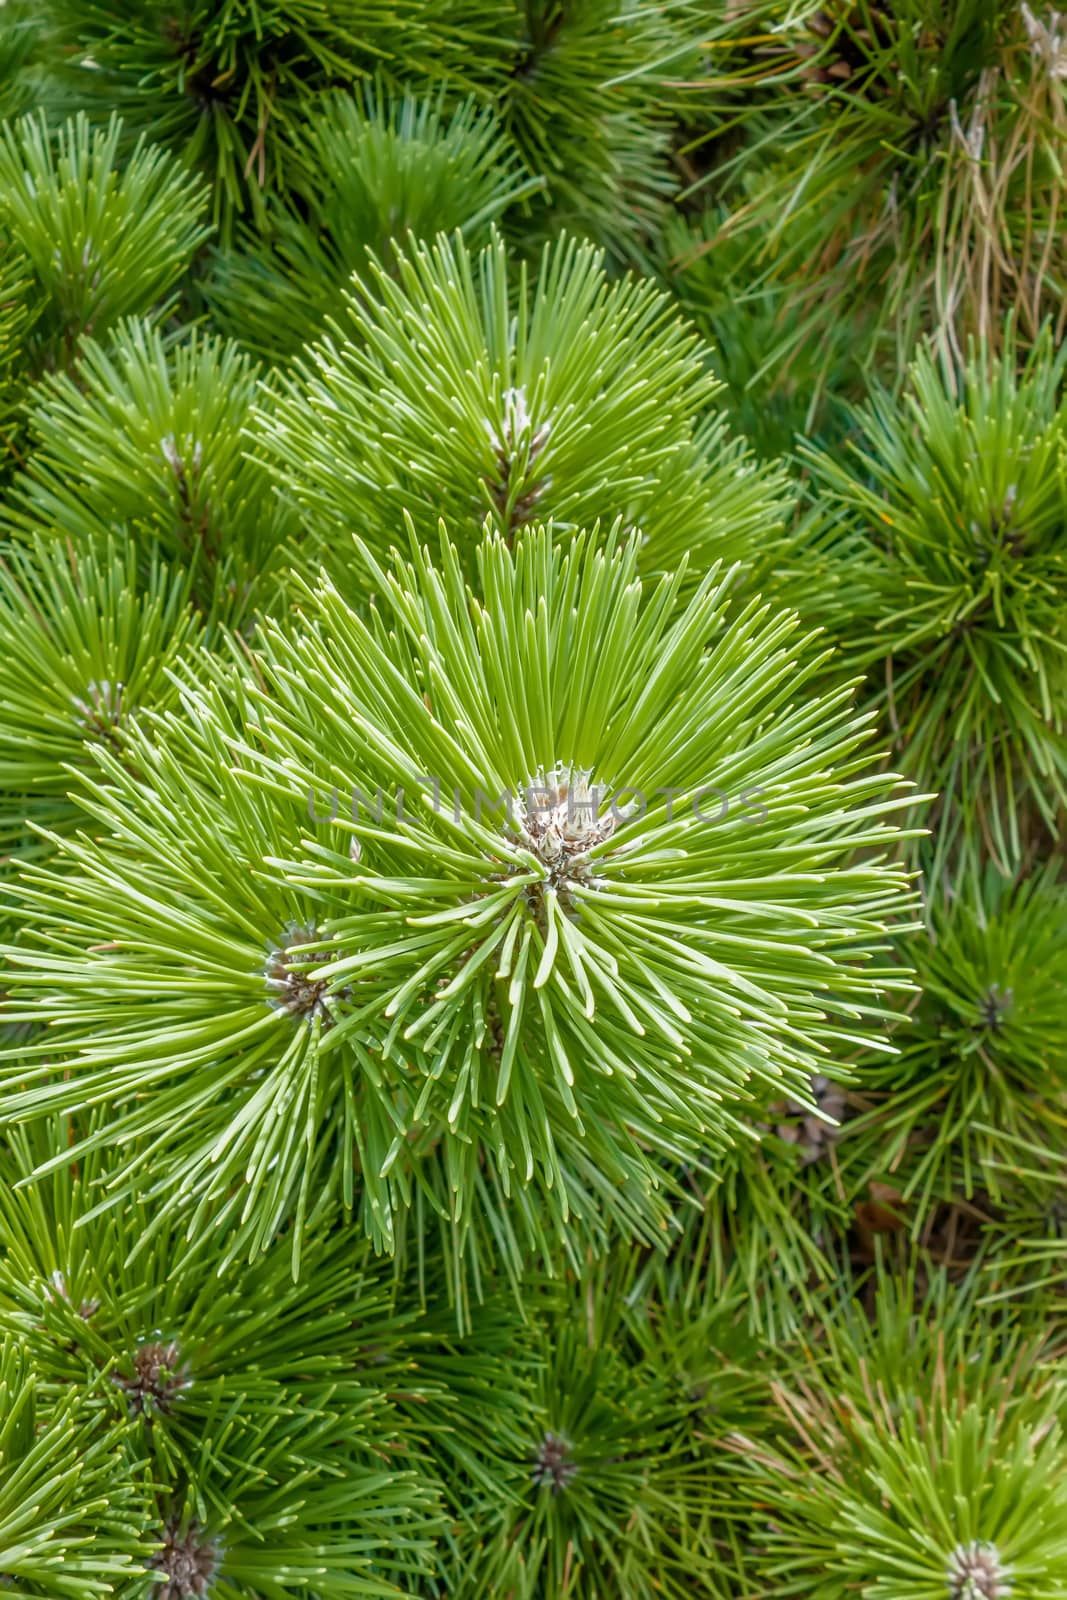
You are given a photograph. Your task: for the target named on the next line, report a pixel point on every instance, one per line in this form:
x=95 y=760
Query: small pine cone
x=157 y=1378
x=188 y=1562
x=554 y=1467
x=976 y=1572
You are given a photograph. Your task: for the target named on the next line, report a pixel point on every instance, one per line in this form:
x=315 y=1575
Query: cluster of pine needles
x=533 y=770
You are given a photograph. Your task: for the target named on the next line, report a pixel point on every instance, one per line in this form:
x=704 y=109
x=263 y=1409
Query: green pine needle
x=444 y=996
x=104 y=237
x=372 y=168
x=924 y=1457
x=952 y=566
x=146 y=440
x=437 y=398
x=85 y=651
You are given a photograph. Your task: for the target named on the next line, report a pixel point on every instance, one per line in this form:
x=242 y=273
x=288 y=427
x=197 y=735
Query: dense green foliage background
x=533 y=612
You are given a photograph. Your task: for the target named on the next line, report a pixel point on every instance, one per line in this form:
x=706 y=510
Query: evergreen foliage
x=71 y=1515
x=589 y=105
x=20 y=58
x=923 y=1456
x=226 y=84
x=225 y=1393
x=84 y=651
x=437 y=402
x=950 y=593
x=598 y=1463
x=533 y=1011
x=979 y=1072
x=911 y=152
x=103 y=238
x=145 y=440
x=373 y=168
x=455 y=982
